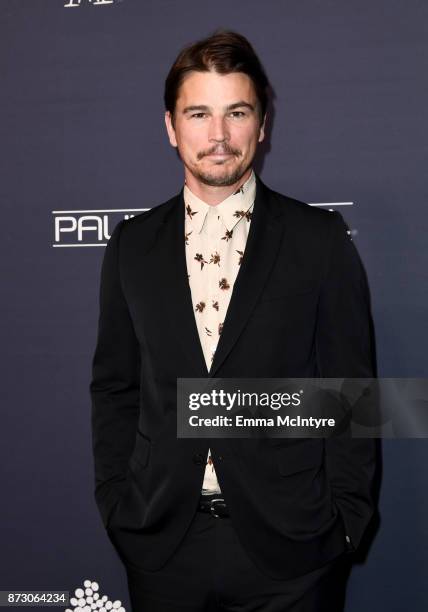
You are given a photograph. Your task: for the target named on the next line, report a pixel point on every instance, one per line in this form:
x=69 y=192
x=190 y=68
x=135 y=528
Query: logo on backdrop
x=76 y=3
x=87 y=228
x=92 y=228
x=89 y=598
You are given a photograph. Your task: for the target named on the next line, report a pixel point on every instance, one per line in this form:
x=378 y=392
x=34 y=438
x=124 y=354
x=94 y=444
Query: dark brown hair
x=223 y=52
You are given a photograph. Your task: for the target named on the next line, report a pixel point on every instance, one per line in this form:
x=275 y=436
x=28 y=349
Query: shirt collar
x=231 y=210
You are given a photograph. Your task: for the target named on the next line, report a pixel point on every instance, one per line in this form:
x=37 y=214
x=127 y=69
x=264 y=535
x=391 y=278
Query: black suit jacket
x=299 y=308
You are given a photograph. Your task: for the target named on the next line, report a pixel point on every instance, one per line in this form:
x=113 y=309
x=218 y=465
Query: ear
x=170 y=129
x=262 y=129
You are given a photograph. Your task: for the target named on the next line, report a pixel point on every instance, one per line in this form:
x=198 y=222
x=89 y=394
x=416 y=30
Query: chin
x=218 y=180
x=216 y=175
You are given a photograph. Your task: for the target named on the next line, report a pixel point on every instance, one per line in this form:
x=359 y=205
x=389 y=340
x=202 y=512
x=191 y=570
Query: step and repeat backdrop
x=83 y=145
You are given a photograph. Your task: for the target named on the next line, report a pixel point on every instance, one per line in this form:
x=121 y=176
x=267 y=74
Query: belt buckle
x=212 y=507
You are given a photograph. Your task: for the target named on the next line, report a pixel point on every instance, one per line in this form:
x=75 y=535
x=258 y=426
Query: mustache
x=219 y=149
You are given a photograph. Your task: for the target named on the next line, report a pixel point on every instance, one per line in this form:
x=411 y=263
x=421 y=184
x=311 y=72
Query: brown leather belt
x=213 y=504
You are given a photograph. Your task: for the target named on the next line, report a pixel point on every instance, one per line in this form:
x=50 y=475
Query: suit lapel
x=262 y=246
x=174 y=293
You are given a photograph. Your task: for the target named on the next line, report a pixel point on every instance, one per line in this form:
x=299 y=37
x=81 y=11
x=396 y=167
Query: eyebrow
x=230 y=107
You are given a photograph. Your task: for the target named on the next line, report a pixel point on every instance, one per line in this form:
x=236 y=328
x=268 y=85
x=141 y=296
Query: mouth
x=219 y=155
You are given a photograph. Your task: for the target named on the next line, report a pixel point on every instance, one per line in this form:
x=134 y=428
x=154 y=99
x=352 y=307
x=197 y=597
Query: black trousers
x=210 y=571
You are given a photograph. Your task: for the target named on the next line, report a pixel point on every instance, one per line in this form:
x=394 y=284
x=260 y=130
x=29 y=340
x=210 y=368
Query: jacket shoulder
x=313 y=224
x=155 y=214
x=302 y=211
x=147 y=222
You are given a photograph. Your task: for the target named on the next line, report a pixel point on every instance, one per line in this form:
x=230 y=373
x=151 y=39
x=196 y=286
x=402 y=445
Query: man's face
x=217 y=126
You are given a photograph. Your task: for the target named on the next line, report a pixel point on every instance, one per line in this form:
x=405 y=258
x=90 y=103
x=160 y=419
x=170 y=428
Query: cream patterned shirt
x=215 y=238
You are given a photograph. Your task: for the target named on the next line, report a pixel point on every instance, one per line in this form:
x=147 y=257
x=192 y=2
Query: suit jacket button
x=198 y=459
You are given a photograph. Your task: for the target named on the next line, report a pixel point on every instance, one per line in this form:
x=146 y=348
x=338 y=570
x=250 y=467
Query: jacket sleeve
x=345 y=349
x=114 y=387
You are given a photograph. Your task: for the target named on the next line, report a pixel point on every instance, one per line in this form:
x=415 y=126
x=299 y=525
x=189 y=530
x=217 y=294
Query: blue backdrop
x=83 y=144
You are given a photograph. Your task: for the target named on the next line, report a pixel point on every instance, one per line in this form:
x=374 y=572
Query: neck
x=210 y=194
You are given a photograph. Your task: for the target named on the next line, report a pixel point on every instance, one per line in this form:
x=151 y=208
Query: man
x=227 y=279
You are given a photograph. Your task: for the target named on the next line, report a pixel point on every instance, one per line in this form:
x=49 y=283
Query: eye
x=198 y=115
x=238 y=114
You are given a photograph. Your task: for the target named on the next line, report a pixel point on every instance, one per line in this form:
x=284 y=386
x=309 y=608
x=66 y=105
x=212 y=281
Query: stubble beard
x=224 y=179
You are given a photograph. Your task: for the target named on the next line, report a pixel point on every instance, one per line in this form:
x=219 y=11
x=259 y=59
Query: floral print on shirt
x=215 y=239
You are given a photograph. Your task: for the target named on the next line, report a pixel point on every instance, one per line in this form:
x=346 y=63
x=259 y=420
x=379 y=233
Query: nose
x=218 y=131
